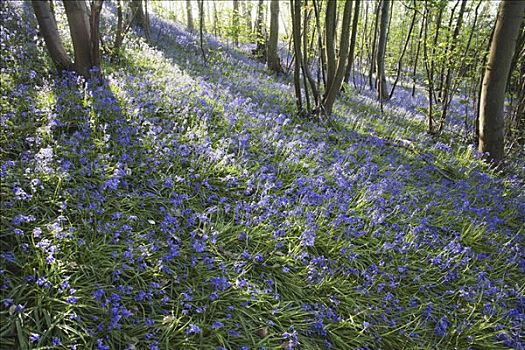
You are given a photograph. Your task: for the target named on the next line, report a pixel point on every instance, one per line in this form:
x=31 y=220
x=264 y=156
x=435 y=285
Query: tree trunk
x=418 y=49
x=96 y=8
x=491 y=118
x=445 y=91
x=330 y=29
x=334 y=89
x=49 y=30
x=427 y=68
x=382 y=93
x=215 y=19
x=352 y=41
x=235 y=22
x=400 y=61
x=429 y=61
x=439 y=20
x=274 y=62
x=364 y=43
x=139 y=17
x=79 y=27
x=200 y=3
x=447 y=50
x=189 y=16
x=373 y=46
x=248 y=15
x=322 y=52
x=119 y=36
x=296 y=32
x=147 y=27
x=307 y=76
x=260 y=50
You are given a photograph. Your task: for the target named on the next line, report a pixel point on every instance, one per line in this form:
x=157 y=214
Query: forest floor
x=182 y=204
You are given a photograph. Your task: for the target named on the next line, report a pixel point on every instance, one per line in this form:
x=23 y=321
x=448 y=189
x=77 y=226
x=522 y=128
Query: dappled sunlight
x=181 y=202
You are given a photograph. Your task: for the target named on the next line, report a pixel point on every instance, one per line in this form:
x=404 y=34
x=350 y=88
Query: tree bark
x=79 y=27
x=96 y=9
x=418 y=49
x=491 y=118
x=400 y=61
x=330 y=29
x=352 y=41
x=334 y=89
x=427 y=68
x=429 y=61
x=248 y=15
x=447 y=50
x=235 y=22
x=296 y=32
x=200 y=3
x=382 y=93
x=308 y=79
x=49 y=30
x=215 y=19
x=260 y=50
x=274 y=62
x=139 y=17
x=189 y=16
x=445 y=91
x=119 y=36
x=322 y=52
x=373 y=57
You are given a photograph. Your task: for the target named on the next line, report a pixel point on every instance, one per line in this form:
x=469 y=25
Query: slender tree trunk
x=201 y=28
x=330 y=29
x=147 y=27
x=49 y=30
x=79 y=27
x=364 y=45
x=429 y=62
x=274 y=62
x=119 y=35
x=450 y=65
x=139 y=17
x=260 y=50
x=414 y=70
x=400 y=61
x=373 y=46
x=446 y=53
x=439 y=20
x=427 y=68
x=96 y=8
x=382 y=93
x=480 y=87
x=235 y=22
x=248 y=15
x=305 y=65
x=344 y=44
x=491 y=118
x=189 y=16
x=296 y=30
x=215 y=19
x=304 y=61
x=351 y=54
x=322 y=52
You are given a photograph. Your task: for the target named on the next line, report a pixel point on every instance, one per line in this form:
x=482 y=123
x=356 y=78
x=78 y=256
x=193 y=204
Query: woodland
x=262 y=174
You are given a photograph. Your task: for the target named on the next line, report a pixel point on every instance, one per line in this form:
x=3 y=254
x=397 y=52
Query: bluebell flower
x=217 y=325
x=72 y=299
x=442 y=326
x=101 y=345
x=193 y=329
x=33 y=338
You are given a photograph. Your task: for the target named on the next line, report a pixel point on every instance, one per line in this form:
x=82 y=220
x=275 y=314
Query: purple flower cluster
x=179 y=201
